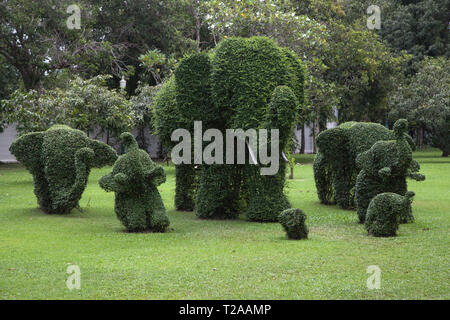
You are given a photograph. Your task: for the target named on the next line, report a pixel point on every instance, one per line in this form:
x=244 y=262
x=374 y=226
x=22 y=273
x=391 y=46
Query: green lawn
x=200 y=259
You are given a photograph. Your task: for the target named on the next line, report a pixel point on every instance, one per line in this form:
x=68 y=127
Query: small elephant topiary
x=293 y=222
x=60 y=160
x=134 y=179
x=384 y=168
x=335 y=168
x=386 y=211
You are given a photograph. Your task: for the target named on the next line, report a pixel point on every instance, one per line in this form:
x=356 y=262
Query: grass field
x=200 y=259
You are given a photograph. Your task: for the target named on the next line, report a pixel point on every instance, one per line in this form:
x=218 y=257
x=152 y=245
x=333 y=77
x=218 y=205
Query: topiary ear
x=27 y=150
x=129 y=141
x=282 y=113
x=104 y=154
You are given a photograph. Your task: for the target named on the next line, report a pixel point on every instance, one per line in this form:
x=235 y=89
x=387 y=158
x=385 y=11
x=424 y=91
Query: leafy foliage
x=134 y=179
x=293 y=222
x=424 y=100
x=60 y=160
x=86 y=105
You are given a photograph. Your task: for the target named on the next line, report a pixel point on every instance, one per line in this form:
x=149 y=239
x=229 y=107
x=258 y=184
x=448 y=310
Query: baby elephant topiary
x=60 y=159
x=386 y=211
x=134 y=179
x=293 y=222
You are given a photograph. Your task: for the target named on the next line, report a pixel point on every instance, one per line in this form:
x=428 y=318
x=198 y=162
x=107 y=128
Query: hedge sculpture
x=385 y=212
x=60 y=160
x=247 y=83
x=293 y=222
x=166 y=119
x=335 y=169
x=134 y=179
x=384 y=168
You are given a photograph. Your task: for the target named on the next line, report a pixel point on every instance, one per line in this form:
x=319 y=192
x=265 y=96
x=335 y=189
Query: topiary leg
x=216 y=197
x=267 y=199
x=324 y=179
x=185 y=189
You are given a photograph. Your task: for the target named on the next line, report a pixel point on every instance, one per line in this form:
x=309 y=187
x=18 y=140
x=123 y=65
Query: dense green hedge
x=134 y=179
x=385 y=212
x=335 y=164
x=384 y=168
x=293 y=222
x=60 y=160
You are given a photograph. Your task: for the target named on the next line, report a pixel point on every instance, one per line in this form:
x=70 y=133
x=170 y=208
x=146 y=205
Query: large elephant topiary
x=245 y=83
x=60 y=160
x=134 y=179
x=384 y=168
x=335 y=168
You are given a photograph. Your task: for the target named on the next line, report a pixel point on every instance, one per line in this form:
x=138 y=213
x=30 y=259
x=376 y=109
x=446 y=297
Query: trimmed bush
x=335 y=166
x=385 y=212
x=293 y=222
x=384 y=168
x=134 y=179
x=60 y=160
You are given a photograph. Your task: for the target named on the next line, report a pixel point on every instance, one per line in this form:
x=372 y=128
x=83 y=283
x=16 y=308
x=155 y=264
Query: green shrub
x=293 y=222
x=385 y=212
x=336 y=164
x=384 y=168
x=60 y=160
x=134 y=179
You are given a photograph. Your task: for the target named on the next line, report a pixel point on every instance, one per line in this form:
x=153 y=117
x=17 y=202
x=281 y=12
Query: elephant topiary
x=386 y=211
x=384 y=168
x=246 y=83
x=335 y=169
x=293 y=222
x=134 y=179
x=60 y=160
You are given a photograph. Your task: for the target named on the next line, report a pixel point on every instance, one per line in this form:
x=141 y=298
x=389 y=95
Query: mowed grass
x=199 y=259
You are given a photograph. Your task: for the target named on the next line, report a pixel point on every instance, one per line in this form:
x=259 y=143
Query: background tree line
x=50 y=73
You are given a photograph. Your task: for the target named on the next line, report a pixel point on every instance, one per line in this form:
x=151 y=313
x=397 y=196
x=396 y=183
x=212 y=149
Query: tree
x=419 y=27
x=87 y=105
x=424 y=99
x=35 y=39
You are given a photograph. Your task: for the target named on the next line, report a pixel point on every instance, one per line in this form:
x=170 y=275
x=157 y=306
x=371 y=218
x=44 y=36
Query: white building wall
x=6 y=138
x=10 y=133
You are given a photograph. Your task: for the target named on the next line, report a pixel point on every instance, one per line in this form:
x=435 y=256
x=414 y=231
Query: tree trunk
x=445 y=153
x=420 y=137
x=291 y=176
x=302 y=146
x=315 y=133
